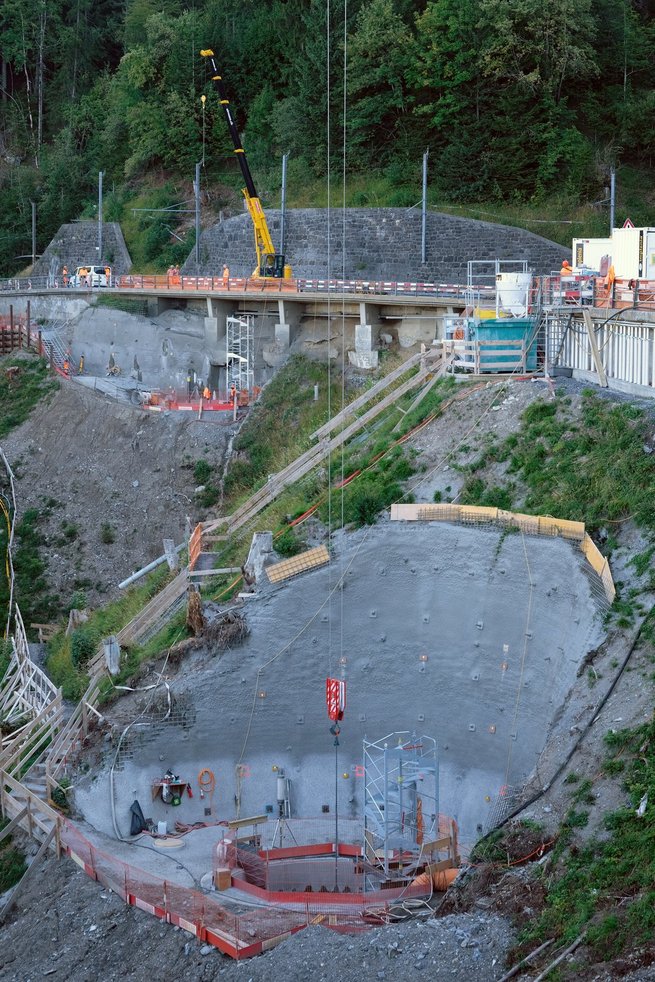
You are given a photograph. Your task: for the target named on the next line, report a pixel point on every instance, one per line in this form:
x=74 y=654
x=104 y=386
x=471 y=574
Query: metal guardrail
x=216 y=284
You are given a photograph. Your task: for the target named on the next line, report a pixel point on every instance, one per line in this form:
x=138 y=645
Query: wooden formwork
x=528 y=524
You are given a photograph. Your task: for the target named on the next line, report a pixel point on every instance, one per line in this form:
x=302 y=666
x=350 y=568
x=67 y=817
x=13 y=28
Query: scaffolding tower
x=401 y=801
x=239 y=352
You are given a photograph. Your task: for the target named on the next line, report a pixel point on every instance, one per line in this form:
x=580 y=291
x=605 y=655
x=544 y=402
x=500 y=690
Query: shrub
x=107 y=534
x=83 y=646
x=201 y=472
x=289 y=543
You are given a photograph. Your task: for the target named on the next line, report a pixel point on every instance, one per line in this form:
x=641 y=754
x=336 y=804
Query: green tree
x=378 y=58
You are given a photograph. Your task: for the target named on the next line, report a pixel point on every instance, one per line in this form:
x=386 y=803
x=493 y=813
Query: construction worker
x=64 y=274
x=226 y=277
x=206 y=392
x=566 y=269
x=108 y=275
x=67 y=366
x=189 y=383
x=80 y=370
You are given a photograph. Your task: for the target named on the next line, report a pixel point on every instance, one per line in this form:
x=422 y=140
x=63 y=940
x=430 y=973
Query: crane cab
x=272 y=264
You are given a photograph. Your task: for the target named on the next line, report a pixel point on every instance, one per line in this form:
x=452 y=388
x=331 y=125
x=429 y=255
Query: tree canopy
x=514 y=98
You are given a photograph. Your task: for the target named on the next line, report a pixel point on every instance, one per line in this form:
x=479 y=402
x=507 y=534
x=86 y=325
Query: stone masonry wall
x=75 y=244
x=380 y=243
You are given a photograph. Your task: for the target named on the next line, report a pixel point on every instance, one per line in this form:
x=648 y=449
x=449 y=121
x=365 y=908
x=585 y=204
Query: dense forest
x=517 y=100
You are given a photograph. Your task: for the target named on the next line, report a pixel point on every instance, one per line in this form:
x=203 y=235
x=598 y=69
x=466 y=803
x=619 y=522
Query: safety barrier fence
x=597 y=291
x=625 y=347
x=210 y=920
x=578 y=289
x=528 y=524
x=195 y=546
x=294 y=858
x=216 y=284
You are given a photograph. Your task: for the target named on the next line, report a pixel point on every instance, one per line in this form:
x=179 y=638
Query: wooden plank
x=366 y=396
x=310 y=559
x=593 y=344
x=310 y=459
x=439 y=373
x=14 y=822
x=238 y=823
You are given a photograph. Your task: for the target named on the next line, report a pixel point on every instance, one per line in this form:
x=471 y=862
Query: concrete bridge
x=369 y=313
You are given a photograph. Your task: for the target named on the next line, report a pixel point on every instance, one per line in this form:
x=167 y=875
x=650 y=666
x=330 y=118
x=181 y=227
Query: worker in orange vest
x=226 y=276
x=206 y=392
x=566 y=269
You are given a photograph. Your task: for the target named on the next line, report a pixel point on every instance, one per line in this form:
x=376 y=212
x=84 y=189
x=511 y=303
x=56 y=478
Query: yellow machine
x=269 y=262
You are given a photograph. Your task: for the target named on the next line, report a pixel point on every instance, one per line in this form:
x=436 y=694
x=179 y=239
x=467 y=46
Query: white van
x=91 y=276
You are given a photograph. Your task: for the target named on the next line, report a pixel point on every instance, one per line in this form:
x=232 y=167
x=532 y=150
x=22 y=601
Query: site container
x=630 y=250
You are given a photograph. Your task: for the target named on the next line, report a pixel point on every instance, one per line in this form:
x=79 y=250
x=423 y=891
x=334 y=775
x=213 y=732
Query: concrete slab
x=469 y=635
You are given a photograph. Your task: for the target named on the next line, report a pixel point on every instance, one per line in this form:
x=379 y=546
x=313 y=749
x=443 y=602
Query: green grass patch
x=622 y=865
x=12 y=861
x=596 y=472
x=280 y=426
x=69 y=655
x=19 y=396
x=31 y=587
x=129 y=305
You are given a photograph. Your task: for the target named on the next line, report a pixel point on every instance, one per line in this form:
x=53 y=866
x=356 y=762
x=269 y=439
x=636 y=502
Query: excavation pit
x=477 y=640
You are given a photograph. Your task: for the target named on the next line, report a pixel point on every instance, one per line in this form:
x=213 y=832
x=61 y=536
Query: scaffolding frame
x=401 y=801
x=239 y=352
x=478 y=274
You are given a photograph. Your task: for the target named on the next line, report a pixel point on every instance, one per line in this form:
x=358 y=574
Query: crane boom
x=269 y=262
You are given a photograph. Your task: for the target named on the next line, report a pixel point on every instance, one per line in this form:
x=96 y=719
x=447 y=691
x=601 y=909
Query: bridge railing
x=216 y=284
x=575 y=290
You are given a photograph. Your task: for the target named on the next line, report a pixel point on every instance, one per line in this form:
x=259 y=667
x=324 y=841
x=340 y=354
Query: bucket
x=162 y=828
x=513 y=292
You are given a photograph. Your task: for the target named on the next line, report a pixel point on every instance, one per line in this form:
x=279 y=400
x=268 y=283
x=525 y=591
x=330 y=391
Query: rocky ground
x=99 y=471
x=66 y=926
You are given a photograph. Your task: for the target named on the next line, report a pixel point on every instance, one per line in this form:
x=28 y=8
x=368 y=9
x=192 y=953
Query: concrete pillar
x=286 y=328
x=217 y=313
x=365 y=355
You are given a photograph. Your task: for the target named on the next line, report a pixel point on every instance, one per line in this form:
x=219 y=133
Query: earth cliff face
x=110 y=482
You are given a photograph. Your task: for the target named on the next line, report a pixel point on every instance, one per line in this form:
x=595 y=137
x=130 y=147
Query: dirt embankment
x=110 y=482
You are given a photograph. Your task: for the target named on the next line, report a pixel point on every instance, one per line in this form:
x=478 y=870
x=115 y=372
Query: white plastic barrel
x=513 y=291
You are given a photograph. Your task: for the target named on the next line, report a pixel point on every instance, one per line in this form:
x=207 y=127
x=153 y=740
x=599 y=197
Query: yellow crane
x=269 y=262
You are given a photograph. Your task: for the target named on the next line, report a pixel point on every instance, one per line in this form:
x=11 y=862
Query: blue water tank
x=492 y=356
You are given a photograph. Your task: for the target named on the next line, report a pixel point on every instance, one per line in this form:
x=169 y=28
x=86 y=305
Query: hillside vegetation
x=518 y=102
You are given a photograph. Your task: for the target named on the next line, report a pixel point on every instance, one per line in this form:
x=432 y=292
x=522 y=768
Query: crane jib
x=269 y=262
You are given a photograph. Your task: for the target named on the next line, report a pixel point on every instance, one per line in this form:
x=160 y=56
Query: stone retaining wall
x=380 y=243
x=76 y=244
